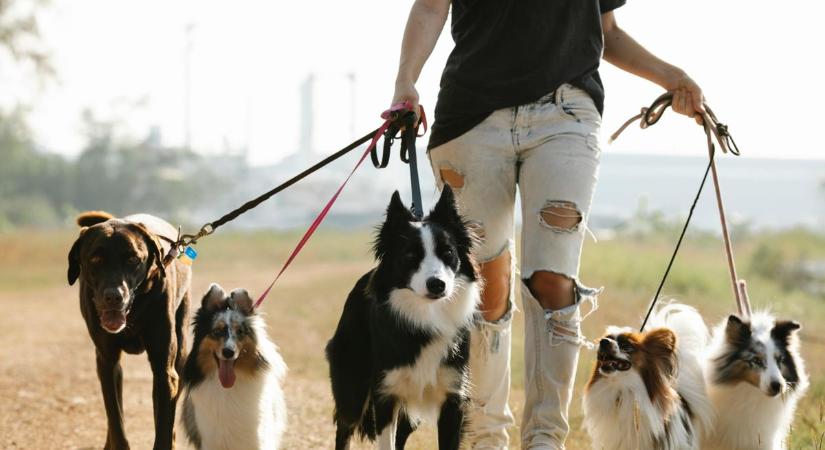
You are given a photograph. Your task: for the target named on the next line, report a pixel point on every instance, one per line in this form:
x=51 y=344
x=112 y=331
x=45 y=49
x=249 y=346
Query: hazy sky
x=757 y=62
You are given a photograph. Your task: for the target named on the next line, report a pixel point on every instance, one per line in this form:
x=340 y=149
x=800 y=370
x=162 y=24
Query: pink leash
x=389 y=116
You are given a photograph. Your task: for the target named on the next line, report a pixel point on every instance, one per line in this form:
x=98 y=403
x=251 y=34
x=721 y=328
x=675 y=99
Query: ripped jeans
x=549 y=150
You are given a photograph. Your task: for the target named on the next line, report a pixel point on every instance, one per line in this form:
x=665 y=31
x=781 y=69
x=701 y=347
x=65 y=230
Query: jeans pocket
x=575 y=104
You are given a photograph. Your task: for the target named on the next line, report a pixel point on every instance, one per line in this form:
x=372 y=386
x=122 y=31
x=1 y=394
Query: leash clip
x=191 y=239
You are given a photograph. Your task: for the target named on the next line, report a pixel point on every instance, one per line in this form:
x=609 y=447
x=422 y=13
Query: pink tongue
x=112 y=320
x=226 y=372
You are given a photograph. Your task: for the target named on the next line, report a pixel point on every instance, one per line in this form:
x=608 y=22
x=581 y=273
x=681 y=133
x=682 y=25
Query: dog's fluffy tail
x=89 y=218
x=692 y=337
x=686 y=322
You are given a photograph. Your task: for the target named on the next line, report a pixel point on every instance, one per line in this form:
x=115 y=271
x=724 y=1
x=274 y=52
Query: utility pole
x=351 y=77
x=187 y=88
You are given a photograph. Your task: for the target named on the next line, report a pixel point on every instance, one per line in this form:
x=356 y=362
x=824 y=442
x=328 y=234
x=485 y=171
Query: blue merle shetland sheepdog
x=755 y=377
x=232 y=378
x=401 y=349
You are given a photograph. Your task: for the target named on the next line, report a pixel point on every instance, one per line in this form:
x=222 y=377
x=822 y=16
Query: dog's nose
x=604 y=345
x=775 y=387
x=228 y=352
x=112 y=296
x=435 y=286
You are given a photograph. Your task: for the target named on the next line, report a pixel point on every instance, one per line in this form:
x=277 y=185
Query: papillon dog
x=400 y=352
x=232 y=379
x=647 y=390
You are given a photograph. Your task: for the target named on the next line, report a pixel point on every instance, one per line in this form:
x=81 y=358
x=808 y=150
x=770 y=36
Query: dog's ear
x=660 y=372
x=783 y=329
x=446 y=213
x=661 y=345
x=214 y=299
x=446 y=209
x=737 y=332
x=74 y=258
x=660 y=341
x=398 y=219
x=397 y=210
x=240 y=300
x=155 y=251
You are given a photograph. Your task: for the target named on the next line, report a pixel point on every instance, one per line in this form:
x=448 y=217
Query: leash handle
x=403 y=121
x=713 y=129
x=391 y=118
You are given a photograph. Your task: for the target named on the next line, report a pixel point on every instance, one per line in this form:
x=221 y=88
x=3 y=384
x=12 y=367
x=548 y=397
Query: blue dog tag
x=188 y=256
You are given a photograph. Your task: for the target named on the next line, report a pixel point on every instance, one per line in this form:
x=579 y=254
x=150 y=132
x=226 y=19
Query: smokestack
x=307 y=116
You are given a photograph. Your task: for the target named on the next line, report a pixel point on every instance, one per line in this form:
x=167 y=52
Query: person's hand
x=687 y=96
x=405 y=92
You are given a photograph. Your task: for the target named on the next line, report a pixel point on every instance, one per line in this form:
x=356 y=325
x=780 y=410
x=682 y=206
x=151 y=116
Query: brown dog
x=132 y=303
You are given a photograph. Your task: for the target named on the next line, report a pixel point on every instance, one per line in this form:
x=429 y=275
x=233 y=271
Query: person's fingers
x=678 y=101
x=408 y=94
x=698 y=100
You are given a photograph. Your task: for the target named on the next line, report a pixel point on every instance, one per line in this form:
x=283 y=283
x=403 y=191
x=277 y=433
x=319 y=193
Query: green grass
x=304 y=308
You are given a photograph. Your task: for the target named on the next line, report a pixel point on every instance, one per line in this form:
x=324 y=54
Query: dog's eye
x=133 y=261
x=756 y=361
x=448 y=253
x=627 y=347
x=218 y=332
x=780 y=359
x=410 y=255
x=96 y=259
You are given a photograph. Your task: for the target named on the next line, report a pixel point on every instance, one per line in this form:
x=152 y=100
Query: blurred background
x=186 y=109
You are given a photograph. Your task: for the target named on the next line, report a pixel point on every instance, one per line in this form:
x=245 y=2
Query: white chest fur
x=749 y=419
x=250 y=415
x=423 y=386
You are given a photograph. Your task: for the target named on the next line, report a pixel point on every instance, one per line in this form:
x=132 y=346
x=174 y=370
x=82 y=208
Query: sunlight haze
x=756 y=63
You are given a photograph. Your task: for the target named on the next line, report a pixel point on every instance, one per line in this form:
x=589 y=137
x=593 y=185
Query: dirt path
x=52 y=394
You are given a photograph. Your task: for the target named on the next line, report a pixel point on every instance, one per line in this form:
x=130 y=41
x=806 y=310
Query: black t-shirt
x=512 y=52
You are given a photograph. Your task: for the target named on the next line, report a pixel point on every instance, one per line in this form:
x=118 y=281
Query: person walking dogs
x=520 y=105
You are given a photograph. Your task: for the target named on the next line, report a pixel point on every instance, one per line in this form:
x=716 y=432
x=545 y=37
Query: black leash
x=396 y=119
x=676 y=250
x=405 y=124
x=210 y=227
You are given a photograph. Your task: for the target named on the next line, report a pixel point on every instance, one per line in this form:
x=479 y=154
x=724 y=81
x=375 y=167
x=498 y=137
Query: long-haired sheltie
x=401 y=349
x=755 y=379
x=647 y=390
x=233 y=375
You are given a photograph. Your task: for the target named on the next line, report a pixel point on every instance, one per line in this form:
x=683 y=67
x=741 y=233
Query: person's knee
x=552 y=290
x=495 y=297
x=452 y=177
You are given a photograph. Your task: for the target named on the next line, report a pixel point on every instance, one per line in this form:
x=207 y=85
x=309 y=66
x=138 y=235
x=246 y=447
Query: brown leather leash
x=714 y=130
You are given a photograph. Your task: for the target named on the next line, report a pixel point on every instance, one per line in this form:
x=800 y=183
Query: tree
x=20 y=35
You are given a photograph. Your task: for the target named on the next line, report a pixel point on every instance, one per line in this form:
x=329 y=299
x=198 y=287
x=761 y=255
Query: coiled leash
x=713 y=130
x=392 y=117
x=403 y=121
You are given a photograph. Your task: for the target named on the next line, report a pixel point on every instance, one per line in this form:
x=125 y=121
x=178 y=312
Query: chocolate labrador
x=132 y=303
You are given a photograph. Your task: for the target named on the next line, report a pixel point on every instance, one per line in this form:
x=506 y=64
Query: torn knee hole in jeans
x=452 y=177
x=561 y=216
x=477 y=228
x=495 y=294
x=564 y=325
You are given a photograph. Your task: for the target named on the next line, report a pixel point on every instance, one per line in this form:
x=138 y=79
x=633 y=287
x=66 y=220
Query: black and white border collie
x=647 y=390
x=755 y=376
x=400 y=352
x=232 y=378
